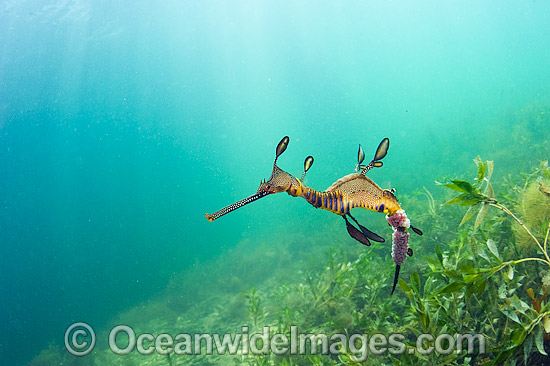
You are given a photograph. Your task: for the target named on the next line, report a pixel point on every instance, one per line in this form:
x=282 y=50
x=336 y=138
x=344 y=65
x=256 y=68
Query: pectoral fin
x=373 y=236
x=369 y=234
x=356 y=234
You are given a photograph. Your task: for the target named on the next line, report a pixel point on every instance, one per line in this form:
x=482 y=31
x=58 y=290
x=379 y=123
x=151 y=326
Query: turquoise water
x=122 y=123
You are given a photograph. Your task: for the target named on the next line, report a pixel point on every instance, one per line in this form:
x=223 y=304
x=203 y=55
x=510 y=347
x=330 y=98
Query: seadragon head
x=280 y=181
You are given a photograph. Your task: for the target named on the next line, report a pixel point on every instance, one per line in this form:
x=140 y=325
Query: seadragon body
x=351 y=191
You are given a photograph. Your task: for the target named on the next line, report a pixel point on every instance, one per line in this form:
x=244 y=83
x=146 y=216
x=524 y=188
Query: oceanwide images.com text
x=80 y=340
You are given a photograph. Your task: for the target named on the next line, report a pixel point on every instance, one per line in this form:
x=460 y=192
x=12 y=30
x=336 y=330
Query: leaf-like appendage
x=481 y=214
x=519 y=304
x=546 y=323
x=415 y=282
x=493 y=248
x=470 y=213
x=382 y=149
x=455 y=200
x=308 y=163
x=281 y=146
x=511 y=314
x=490 y=166
x=481 y=169
x=451 y=287
x=539 y=341
x=360 y=155
x=472 y=199
x=509 y=274
x=464 y=186
x=489 y=191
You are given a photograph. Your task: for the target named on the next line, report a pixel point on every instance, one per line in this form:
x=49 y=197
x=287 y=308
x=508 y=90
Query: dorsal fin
x=355 y=181
x=359 y=190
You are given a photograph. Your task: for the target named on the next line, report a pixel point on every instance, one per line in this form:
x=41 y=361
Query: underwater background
x=122 y=123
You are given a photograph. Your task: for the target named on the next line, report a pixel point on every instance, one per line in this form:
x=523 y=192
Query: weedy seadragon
x=351 y=191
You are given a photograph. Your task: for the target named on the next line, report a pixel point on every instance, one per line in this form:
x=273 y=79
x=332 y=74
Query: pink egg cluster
x=400 y=223
x=399 y=219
